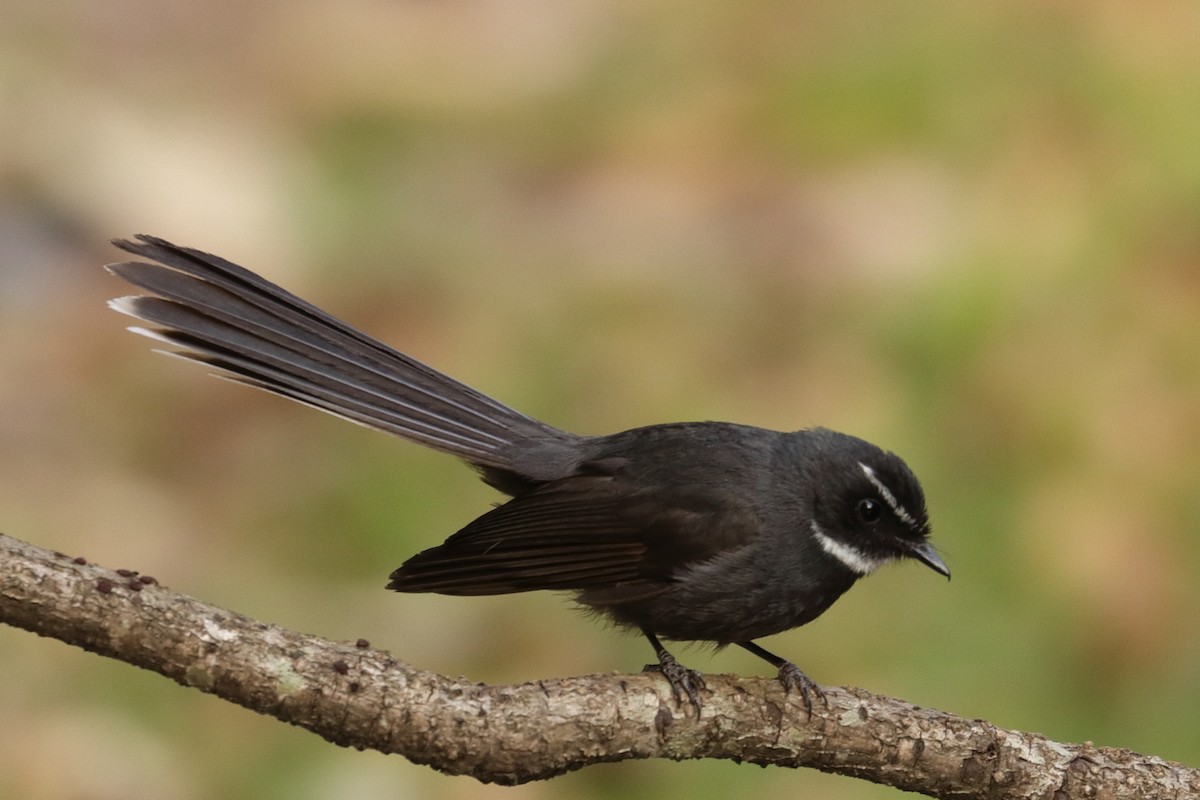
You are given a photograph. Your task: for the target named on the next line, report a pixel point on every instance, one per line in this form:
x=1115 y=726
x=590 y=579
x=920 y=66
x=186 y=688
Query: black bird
x=699 y=531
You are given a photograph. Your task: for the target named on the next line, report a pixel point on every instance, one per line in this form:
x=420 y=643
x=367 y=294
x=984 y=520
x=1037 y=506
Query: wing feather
x=572 y=534
x=607 y=537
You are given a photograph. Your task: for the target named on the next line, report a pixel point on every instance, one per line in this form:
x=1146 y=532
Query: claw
x=684 y=682
x=792 y=678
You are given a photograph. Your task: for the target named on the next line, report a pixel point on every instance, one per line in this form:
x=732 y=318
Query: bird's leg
x=683 y=681
x=789 y=675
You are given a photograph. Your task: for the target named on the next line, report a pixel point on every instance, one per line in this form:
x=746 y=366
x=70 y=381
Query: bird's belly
x=691 y=612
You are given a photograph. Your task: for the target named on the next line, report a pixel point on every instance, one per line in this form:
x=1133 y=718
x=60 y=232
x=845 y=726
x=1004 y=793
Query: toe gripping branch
x=789 y=675
x=688 y=683
x=685 y=683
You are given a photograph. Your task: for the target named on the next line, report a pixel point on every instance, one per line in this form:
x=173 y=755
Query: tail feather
x=220 y=314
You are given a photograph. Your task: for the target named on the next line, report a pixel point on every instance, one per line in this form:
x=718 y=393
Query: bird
x=711 y=532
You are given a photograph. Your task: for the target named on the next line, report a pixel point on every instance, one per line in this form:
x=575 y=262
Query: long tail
x=220 y=314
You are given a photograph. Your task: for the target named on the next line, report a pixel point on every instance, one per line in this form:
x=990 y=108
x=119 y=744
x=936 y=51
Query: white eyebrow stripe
x=853 y=559
x=888 y=497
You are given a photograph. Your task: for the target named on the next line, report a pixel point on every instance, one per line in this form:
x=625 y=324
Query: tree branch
x=359 y=697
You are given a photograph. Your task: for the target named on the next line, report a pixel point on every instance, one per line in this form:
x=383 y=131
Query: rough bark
x=360 y=697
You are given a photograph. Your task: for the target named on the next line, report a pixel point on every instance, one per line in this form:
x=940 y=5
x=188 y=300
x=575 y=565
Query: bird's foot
x=792 y=678
x=684 y=681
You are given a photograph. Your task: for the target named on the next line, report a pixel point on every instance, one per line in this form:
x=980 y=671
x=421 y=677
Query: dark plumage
x=706 y=531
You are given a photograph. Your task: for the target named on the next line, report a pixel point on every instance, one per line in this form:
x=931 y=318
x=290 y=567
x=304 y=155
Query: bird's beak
x=929 y=557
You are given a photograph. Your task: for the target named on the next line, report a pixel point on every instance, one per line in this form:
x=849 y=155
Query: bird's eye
x=869 y=510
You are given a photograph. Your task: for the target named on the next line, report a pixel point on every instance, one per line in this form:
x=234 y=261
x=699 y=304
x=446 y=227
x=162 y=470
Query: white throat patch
x=853 y=559
x=889 y=498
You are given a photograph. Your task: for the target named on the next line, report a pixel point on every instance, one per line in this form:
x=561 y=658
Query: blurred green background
x=969 y=232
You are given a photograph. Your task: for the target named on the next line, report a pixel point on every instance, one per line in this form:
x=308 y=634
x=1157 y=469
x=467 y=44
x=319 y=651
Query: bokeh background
x=969 y=232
